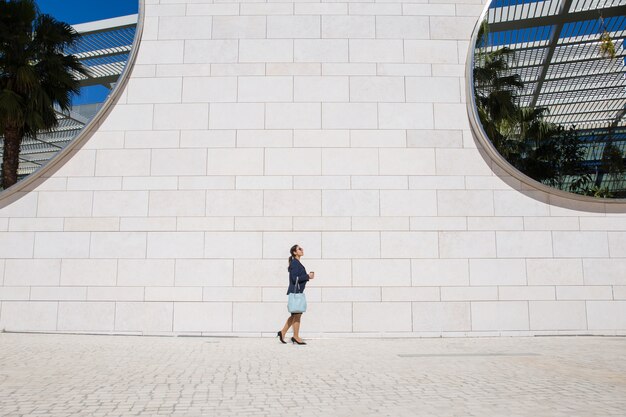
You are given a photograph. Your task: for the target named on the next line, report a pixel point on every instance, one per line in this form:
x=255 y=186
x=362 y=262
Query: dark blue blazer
x=297 y=271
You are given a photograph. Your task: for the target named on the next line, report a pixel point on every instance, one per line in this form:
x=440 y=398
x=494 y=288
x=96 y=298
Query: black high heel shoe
x=280 y=336
x=293 y=340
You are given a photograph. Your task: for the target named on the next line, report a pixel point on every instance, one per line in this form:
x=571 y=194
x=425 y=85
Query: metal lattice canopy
x=103 y=48
x=558 y=56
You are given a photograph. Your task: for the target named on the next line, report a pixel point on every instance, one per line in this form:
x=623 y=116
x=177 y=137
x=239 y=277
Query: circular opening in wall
x=60 y=63
x=548 y=92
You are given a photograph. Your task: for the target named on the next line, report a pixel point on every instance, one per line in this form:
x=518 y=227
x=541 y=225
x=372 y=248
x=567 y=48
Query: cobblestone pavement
x=72 y=375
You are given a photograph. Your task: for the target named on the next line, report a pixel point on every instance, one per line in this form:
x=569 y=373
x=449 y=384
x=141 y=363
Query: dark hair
x=291 y=252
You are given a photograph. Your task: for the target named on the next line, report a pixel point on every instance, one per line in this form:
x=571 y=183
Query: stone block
x=185 y=27
x=61 y=245
x=175 y=245
x=376 y=50
x=210 y=51
x=209 y=224
x=557 y=315
x=129 y=117
x=326 y=182
x=86 y=316
x=233 y=245
x=233 y=203
x=28 y=316
x=439 y=272
x=239 y=27
x=474 y=203
x=292 y=202
x=376 y=89
x=118 y=245
x=523 y=293
x=293 y=116
x=320 y=50
x=123 y=162
x=143 y=317
x=406 y=161
x=380 y=182
x=351 y=294
x=524 y=244
x=474 y=293
x=266 y=50
x=147 y=224
x=382 y=317
x=514 y=203
x=293 y=27
x=321 y=89
x=264 y=138
x=347 y=27
x=145 y=272
x=349 y=116
x=154 y=90
x=235 y=161
x=402 y=27
x=258 y=317
x=350 y=202
x=115 y=293
x=90 y=224
x=80 y=163
x=276 y=244
x=181 y=116
x=432 y=90
x=602 y=315
x=89 y=272
x=120 y=203
x=405 y=115
x=555 y=271
x=445 y=27
x=237 y=116
x=58 y=293
x=499 y=315
x=31 y=272
x=265 y=89
x=408 y=203
x=381 y=272
x=467 y=244
x=174 y=294
x=25 y=224
x=617 y=244
x=441 y=317
x=380 y=223
x=293 y=161
x=318 y=223
x=203 y=317
x=64 y=204
x=259 y=182
x=580 y=244
x=584 y=292
x=209 y=89
x=338 y=245
x=409 y=245
x=240 y=294
x=18 y=293
x=410 y=294
x=203 y=272
x=160 y=52
x=431 y=51
x=499 y=272
x=604 y=271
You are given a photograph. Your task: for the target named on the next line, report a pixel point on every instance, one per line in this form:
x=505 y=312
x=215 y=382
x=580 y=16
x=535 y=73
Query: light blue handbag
x=296 y=302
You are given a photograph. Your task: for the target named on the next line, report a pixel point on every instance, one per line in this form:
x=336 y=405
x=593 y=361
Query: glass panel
x=549 y=83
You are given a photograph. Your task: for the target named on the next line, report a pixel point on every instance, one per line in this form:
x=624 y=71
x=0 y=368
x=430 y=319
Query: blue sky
x=81 y=11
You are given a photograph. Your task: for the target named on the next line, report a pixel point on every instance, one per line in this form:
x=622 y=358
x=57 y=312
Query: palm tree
x=495 y=90
x=35 y=76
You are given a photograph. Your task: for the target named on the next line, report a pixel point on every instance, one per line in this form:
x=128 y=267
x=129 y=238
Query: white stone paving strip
x=85 y=375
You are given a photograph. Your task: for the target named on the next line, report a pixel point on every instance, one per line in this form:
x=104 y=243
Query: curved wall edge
x=83 y=136
x=494 y=155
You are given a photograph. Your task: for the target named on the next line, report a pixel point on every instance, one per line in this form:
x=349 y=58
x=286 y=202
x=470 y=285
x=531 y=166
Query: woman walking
x=298 y=278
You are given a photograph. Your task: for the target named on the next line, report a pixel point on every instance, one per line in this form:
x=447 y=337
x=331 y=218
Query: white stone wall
x=247 y=127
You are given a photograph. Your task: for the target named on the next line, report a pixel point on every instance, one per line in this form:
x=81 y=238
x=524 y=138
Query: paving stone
x=105 y=376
